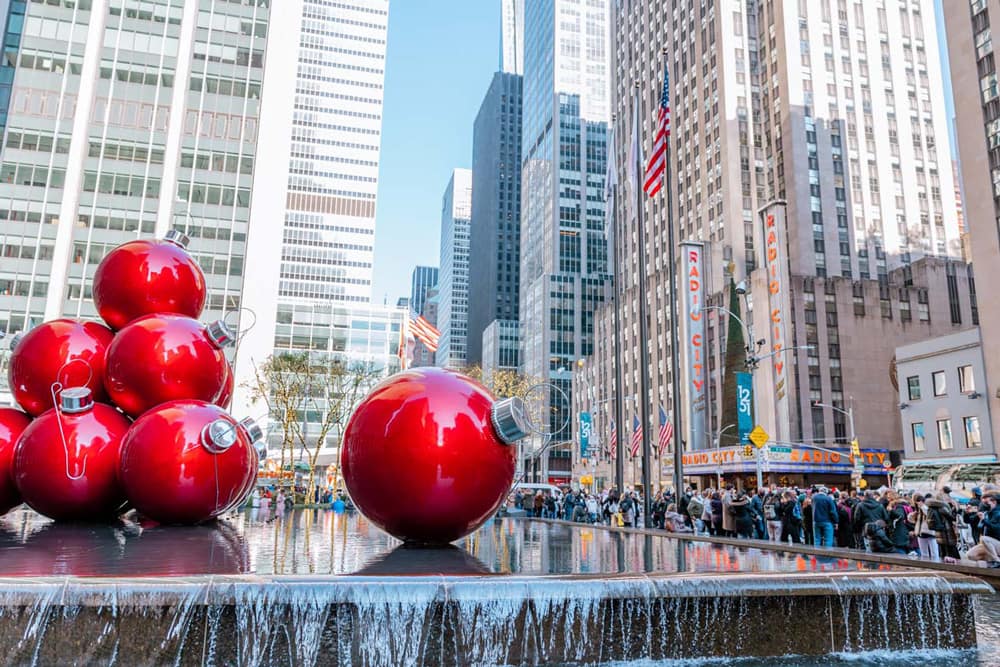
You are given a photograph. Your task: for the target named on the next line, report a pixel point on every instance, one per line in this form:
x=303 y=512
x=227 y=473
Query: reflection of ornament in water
x=12 y=424
x=415 y=561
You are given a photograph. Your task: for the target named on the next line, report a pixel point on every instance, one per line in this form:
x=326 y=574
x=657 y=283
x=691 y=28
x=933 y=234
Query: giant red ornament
x=75 y=479
x=185 y=462
x=149 y=276
x=65 y=351
x=428 y=455
x=226 y=396
x=160 y=358
x=12 y=424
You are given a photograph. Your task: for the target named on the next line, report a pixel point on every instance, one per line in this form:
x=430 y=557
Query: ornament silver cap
x=75 y=400
x=509 y=421
x=177 y=237
x=253 y=430
x=220 y=333
x=218 y=436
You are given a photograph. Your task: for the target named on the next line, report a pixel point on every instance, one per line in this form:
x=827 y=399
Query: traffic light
x=748 y=451
x=855 y=448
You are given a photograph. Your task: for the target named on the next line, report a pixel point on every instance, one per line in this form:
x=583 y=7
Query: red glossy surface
x=170 y=477
x=420 y=458
x=47 y=354
x=226 y=397
x=145 y=277
x=78 y=482
x=241 y=495
x=12 y=424
x=162 y=358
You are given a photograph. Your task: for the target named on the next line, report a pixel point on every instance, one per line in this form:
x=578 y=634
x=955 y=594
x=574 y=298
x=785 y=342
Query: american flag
x=613 y=441
x=666 y=432
x=657 y=164
x=636 y=437
x=425 y=332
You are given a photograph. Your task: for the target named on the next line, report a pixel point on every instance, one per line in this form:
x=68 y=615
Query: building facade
x=945 y=414
x=422 y=280
x=501 y=340
x=564 y=264
x=977 y=122
x=422 y=356
x=512 y=36
x=495 y=230
x=833 y=110
x=453 y=279
x=317 y=175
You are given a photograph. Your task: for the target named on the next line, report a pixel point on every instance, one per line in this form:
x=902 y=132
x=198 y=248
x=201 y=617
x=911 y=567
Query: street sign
x=758 y=436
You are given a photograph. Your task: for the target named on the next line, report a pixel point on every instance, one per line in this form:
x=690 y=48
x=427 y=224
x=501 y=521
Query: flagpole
x=675 y=364
x=643 y=330
x=619 y=467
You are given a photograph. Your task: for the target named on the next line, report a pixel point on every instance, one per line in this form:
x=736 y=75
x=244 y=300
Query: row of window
x=30 y=141
x=939 y=381
x=970 y=427
x=199 y=193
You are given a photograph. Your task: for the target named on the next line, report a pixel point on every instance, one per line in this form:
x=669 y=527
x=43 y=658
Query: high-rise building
x=977 y=120
x=834 y=110
x=495 y=237
x=512 y=36
x=453 y=279
x=122 y=121
x=564 y=267
x=422 y=356
x=317 y=175
x=422 y=280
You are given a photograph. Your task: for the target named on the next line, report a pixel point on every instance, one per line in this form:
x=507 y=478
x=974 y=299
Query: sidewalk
x=992 y=576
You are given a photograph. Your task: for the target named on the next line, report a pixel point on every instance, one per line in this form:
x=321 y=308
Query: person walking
x=772 y=514
x=869 y=510
x=942 y=521
x=807 y=517
x=728 y=525
x=739 y=507
x=717 y=512
x=757 y=512
x=791 y=519
x=825 y=517
x=926 y=539
x=899 y=527
x=878 y=539
x=845 y=532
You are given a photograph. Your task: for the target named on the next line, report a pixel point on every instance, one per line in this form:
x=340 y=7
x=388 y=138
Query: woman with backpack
x=791 y=519
x=695 y=509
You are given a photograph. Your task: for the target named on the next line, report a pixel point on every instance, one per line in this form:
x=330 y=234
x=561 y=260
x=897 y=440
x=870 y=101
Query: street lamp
x=849 y=412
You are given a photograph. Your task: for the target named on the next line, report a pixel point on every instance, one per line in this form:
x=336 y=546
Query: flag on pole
x=611 y=175
x=666 y=432
x=425 y=332
x=636 y=437
x=613 y=441
x=634 y=150
x=657 y=164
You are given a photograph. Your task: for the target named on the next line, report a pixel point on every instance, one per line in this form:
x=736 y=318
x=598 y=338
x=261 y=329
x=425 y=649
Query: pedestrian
x=757 y=512
x=869 y=510
x=739 y=508
x=878 y=539
x=772 y=515
x=674 y=521
x=627 y=509
x=695 y=508
x=941 y=520
x=728 y=525
x=539 y=505
x=825 y=517
x=926 y=539
x=717 y=512
x=791 y=519
x=970 y=514
x=807 y=518
x=898 y=526
x=592 y=508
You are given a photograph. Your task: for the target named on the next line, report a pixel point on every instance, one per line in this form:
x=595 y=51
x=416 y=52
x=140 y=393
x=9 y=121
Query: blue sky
x=441 y=57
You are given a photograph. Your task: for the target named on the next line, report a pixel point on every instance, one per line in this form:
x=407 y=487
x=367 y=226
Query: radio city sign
x=800 y=459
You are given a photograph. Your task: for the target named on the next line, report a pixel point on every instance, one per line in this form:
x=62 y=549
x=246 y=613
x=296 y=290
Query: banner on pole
x=776 y=265
x=744 y=405
x=585 y=428
x=693 y=289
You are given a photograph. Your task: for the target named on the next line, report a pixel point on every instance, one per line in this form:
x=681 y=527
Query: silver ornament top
x=177 y=237
x=509 y=421
x=218 y=436
x=220 y=333
x=75 y=400
x=253 y=430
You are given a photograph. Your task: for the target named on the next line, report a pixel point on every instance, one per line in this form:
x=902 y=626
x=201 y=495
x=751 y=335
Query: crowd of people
x=934 y=526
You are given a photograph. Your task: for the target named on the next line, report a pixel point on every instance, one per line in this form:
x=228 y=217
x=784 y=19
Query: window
x=939 y=383
x=913 y=387
x=944 y=434
x=918 y=436
x=973 y=438
x=966 y=381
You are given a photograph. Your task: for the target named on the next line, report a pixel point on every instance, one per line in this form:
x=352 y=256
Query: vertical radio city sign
x=776 y=265
x=693 y=266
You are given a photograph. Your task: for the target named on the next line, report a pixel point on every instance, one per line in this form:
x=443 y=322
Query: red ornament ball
x=185 y=462
x=78 y=480
x=12 y=424
x=149 y=276
x=65 y=351
x=161 y=358
x=422 y=459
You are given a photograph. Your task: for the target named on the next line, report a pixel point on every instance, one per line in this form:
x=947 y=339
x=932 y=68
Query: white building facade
x=453 y=278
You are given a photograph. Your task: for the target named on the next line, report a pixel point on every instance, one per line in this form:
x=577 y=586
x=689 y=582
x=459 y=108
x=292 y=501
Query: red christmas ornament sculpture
x=161 y=358
x=66 y=461
x=427 y=456
x=226 y=397
x=185 y=462
x=149 y=276
x=66 y=351
x=12 y=424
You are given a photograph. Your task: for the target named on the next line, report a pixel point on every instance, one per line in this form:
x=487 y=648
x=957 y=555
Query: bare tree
x=311 y=397
x=502 y=382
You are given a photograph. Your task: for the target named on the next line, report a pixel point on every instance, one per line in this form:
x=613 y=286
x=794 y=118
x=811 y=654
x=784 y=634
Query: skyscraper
x=123 y=122
x=495 y=237
x=453 y=280
x=422 y=280
x=512 y=36
x=834 y=110
x=564 y=267
x=977 y=109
